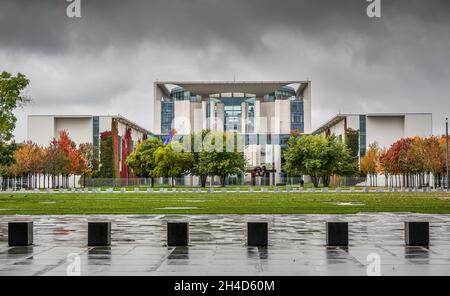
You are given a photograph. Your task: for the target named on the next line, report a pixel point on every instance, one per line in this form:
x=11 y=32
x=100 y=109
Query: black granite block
x=337 y=233
x=257 y=234
x=20 y=233
x=177 y=233
x=99 y=233
x=417 y=233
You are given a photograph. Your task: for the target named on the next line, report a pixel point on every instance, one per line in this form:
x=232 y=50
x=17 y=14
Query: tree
x=171 y=163
x=434 y=159
x=107 y=163
x=352 y=141
x=369 y=164
x=87 y=151
x=319 y=157
x=142 y=160
x=222 y=163
x=11 y=97
x=200 y=167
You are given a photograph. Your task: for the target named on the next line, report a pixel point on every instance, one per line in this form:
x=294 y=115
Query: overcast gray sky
x=106 y=61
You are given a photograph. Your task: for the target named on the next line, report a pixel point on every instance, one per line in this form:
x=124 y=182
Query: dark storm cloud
x=111 y=55
x=40 y=25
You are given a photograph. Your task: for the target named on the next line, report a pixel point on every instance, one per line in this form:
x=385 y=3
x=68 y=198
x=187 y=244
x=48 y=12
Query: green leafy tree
x=11 y=97
x=222 y=163
x=142 y=160
x=107 y=169
x=200 y=167
x=318 y=157
x=352 y=141
x=171 y=163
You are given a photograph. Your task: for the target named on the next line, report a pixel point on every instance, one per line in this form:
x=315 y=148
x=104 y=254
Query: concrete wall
x=40 y=129
x=182 y=117
x=384 y=130
x=78 y=128
x=418 y=125
x=307 y=108
x=353 y=121
x=282 y=124
x=157 y=96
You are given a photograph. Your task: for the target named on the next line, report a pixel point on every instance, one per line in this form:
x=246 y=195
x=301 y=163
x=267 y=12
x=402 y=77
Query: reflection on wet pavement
x=217 y=246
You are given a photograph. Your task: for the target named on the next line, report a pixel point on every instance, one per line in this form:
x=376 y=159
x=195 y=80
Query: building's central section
x=264 y=113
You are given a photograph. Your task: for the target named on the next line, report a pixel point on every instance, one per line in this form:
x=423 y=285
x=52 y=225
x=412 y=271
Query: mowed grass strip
x=223 y=203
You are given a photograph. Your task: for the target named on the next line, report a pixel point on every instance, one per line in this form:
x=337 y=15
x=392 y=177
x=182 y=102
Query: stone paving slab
x=217 y=246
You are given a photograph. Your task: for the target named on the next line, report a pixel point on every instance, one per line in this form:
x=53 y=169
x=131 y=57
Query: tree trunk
x=203 y=179
x=222 y=180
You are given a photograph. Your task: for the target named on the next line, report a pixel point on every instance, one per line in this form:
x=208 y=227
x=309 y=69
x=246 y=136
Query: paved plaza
x=217 y=246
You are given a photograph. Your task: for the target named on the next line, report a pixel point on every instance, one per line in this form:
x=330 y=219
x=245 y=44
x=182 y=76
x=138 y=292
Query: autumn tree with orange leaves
x=409 y=162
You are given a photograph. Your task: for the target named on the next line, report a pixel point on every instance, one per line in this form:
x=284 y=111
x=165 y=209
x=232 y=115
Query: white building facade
x=265 y=114
x=42 y=129
x=381 y=128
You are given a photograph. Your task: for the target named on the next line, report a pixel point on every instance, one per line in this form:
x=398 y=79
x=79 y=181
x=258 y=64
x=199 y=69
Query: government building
x=265 y=114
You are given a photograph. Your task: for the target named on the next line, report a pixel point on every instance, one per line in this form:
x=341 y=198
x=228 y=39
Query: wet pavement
x=217 y=246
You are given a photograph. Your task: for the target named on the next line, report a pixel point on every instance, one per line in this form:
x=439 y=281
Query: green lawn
x=223 y=203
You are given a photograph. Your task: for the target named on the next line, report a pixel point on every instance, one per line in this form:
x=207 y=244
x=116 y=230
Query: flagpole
x=446 y=153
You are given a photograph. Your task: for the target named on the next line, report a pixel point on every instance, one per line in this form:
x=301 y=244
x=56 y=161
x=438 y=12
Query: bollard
x=149 y=189
x=352 y=189
x=250 y=189
x=99 y=233
x=338 y=189
x=325 y=190
x=417 y=233
x=137 y=190
x=264 y=189
x=337 y=234
x=20 y=234
x=177 y=234
x=123 y=190
x=257 y=234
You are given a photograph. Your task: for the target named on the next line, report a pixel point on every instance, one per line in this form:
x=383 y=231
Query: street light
x=446 y=152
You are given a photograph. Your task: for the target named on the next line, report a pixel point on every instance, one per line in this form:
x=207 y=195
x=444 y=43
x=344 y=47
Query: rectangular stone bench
x=177 y=233
x=257 y=234
x=337 y=234
x=20 y=234
x=149 y=189
x=417 y=233
x=99 y=233
x=324 y=190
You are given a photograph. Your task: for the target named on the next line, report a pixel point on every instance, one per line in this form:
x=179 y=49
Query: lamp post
x=446 y=153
